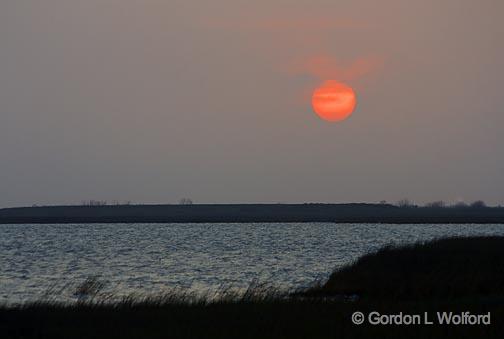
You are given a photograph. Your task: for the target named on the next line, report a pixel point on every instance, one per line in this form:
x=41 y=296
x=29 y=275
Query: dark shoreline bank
x=230 y=213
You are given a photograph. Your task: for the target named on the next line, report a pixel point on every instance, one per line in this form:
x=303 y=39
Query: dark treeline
x=338 y=213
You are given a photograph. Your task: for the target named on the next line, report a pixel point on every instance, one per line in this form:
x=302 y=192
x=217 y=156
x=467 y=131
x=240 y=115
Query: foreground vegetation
x=266 y=319
x=457 y=274
x=444 y=268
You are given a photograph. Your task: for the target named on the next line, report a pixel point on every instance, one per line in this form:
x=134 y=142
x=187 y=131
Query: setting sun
x=333 y=101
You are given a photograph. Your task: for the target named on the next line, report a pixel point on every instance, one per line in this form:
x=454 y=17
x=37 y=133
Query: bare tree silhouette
x=436 y=204
x=478 y=204
x=185 y=201
x=405 y=203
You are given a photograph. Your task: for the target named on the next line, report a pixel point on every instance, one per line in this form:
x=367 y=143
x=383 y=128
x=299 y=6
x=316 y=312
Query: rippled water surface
x=150 y=258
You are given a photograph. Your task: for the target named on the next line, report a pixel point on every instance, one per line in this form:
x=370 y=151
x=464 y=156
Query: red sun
x=333 y=101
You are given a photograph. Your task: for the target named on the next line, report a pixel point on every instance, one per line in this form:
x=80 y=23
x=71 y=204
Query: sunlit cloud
x=279 y=24
x=328 y=67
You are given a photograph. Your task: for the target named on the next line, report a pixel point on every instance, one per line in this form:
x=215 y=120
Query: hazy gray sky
x=151 y=101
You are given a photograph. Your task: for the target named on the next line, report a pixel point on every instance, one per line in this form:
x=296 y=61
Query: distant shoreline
x=248 y=213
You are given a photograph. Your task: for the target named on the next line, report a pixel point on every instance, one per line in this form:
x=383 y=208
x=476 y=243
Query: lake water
x=152 y=258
